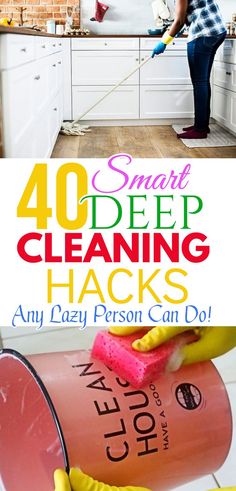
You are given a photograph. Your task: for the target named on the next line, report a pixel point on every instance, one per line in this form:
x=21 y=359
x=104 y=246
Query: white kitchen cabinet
x=31 y=95
x=103 y=67
x=165 y=90
x=224 y=103
x=224 y=86
x=97 y=65
x=221 y=105
x=160 y=89
x=170 y=68
x=232 y=114
x=121 y=104
x=166 y=101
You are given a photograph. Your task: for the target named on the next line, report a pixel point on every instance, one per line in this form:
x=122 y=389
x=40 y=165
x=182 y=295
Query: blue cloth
x=159 y=48
x=201 y=53
x=204 y=18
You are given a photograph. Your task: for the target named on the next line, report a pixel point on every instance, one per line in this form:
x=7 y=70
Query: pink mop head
x=137 y=368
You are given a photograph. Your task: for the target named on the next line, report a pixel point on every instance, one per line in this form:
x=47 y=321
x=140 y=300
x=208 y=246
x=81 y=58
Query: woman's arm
x=180 y=17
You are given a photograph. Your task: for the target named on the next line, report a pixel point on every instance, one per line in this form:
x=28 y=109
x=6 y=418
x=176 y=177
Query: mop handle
x=113 y=88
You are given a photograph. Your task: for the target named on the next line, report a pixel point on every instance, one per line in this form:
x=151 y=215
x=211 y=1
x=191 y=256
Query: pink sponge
x=137 y=368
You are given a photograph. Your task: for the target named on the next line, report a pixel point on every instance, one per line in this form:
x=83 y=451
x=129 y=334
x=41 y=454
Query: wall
x=123 y=16
x=228 y=7
x=38 y=11
x=132 y=16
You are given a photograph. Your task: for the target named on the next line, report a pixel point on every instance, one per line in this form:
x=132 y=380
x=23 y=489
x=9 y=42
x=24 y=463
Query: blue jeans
x=201 y=54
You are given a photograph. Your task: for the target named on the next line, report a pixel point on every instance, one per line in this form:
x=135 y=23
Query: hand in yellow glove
x=78 y=481
x=224 y=489
x=212 y=342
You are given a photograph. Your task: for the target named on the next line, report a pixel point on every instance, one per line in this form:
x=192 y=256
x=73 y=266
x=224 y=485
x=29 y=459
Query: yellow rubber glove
x=78 y=481
x=224 y=489
x=212 y=342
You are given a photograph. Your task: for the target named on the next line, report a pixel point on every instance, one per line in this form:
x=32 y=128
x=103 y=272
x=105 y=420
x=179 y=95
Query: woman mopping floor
x=206 y=33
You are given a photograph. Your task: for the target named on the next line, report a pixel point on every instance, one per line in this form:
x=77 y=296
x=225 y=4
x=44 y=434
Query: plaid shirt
x=204 y=19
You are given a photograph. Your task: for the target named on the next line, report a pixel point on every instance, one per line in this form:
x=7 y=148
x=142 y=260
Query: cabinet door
x=42 y=136
x=103 y=67
x=40 y=76
x=55 y=67
x=232 y=112
x=18 y=109
x=121 y=104
x=67 y=89
x=55 y=117
x=166 y=101
x=221 y=105
x=170 y=68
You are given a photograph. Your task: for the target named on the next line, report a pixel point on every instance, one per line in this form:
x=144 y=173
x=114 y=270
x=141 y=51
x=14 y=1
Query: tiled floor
x=30 y=341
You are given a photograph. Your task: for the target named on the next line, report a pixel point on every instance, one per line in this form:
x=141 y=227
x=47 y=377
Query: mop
x=74 y=127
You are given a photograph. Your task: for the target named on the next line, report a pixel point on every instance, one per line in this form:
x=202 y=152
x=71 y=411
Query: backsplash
x=39 y=11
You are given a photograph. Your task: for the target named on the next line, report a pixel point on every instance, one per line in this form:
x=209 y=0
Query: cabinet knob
x=37 y=77
x=54 y=45
x=105 y=44
x=44 y=46
x=60 y=44
x=54 y=65
x=228 y=73
x=59 y=62
x=55 y=109
x=136 y=59
x=23 y=50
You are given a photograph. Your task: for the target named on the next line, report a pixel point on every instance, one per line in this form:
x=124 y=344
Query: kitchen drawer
x=55 y=45
x=166 y=101
x=227 y=51
x=225 y=75
x=42 y=46
x=121 y=104
x=170 y=68
x=103 y=68
x=16 y=50
x=150 y=42
x=105 y=43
